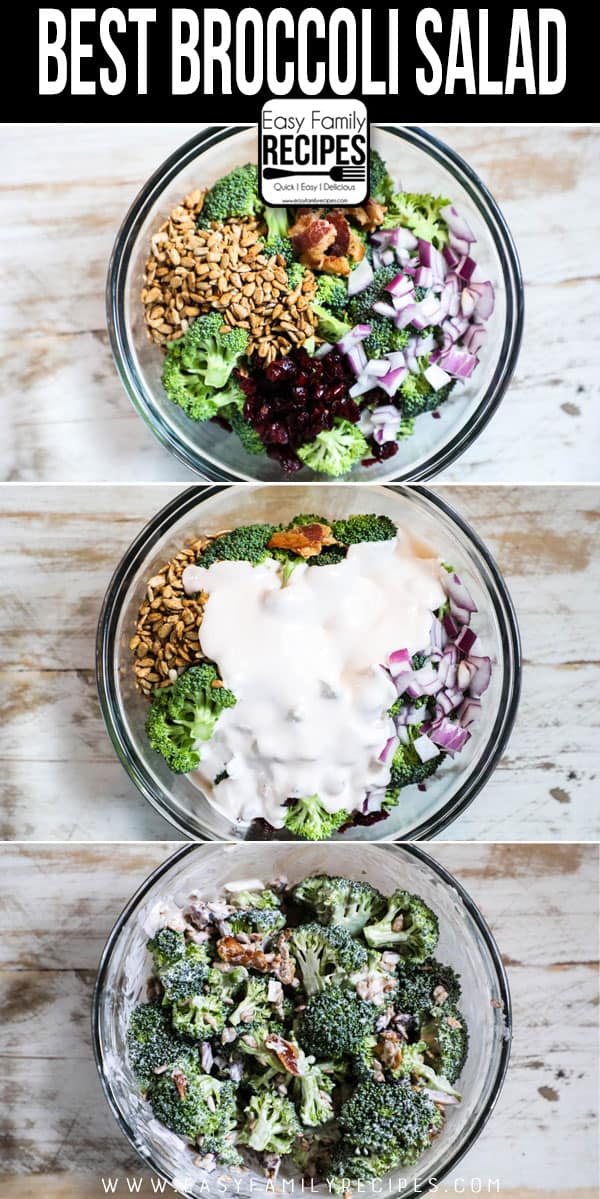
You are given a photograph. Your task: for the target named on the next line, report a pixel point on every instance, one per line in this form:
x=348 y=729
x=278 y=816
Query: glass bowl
x=466 y=943
x=211 y=508
x=423 y=164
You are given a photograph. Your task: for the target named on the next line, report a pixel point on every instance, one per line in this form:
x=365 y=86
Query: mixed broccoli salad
x=432 y=691
x=316 y=336
x=307 y=1026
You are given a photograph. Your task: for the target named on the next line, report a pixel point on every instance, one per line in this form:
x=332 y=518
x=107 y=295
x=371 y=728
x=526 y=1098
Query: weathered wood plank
x=63 y=199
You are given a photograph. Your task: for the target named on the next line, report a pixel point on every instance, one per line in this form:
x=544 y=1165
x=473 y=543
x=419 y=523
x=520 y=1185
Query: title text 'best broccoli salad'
x=302 y=675
x=317 y=336
x=308 y=1027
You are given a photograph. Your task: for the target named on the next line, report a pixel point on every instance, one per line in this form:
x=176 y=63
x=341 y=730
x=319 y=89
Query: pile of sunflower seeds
x=191 y=271
x=166 y=634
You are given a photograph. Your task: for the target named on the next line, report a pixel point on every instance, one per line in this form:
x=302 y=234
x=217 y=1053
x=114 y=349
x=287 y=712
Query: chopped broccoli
x=332 y=294
x=266 y=921
x=307 y=818
x=375 y=982
x=199 y=1016
x=152 y=1044
x=363 y=527
x=349 y=1167
x=254 y=899
x=279 y=243
x=277 y=221
x=234 y=195
x=186 y=713
x=388 y=1118
x=247 y=543
x=419 y=213
x=200 y=1107
x=185 y=977
x=407 y=769
x=383 y=339
x=271 y=1124
x=313 y=1094
x=325 y=954
x=426 y=988
x=208 y=352
x=447 y=1039
x=335 y=1022
x=381 y=185
x=330 y=555
x=330 y=326
x=189 y=389
x=254 y=1008
x=167 y=946
x=295 y=274
x=360 y=307
x=244 y=430
x=417 y=396
x=408 y=926
x=335 y=451
x=340 y=901
x=411 y=1064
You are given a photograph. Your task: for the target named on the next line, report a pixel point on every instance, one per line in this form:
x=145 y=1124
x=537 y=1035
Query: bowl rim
x=504 y=996
x=512 y=278
x=194 y=496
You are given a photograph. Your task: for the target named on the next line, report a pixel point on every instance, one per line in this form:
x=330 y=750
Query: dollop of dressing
x=305 y=663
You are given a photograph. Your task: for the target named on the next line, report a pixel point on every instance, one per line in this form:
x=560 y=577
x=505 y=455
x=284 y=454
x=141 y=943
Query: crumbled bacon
x=286 y=1051
x=180 y=1080
x=284 y=966
x=342 y=229
x=305 y=540
x=369 y=215
x=231 y=950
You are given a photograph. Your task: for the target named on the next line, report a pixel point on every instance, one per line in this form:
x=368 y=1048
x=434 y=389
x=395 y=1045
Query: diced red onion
x=457 y=223
x=449 y=736
x=424 y=277
x=383 y=309
x=455 y=590
x=401 y=302
x=436 y=377
x=466 y=640
x=483 y=673
x=387 y=257
x=474 y=338
x=395 y=358
x=357 y=358
x=400 y=285
x=388 y=749
x=468 y=711
x=391 y=382
x=398 y=661
x=323 y=349
x=466 y=268
x=377 y=366
x=458 y=363
x=363 y=384
x=425 y=748
x=485 y=303
x=360 y=278
x=352 y=337
x=460 y=246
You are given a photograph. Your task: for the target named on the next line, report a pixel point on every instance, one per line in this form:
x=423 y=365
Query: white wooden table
x=57 y=905
x=65 y=190
x=59 y=776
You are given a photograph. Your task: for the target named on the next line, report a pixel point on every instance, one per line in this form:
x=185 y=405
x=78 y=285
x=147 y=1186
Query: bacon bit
x=181 y=1082
x=389 y=1050
x=305 y=540
x=356 y=249
x=342 y=228
x=322 y=242
x=230 y=950
x=284 y=966
x=369 y=215
x=286 y=1051
x=440 y=995
x=452 y=1022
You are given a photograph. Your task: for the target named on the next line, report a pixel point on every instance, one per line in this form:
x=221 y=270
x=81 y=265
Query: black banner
x=409 y=64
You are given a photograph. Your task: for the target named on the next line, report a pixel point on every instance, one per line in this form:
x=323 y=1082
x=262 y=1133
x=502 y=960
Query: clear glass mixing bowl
x=210 y=509
x=423 y=164
x=466 y=943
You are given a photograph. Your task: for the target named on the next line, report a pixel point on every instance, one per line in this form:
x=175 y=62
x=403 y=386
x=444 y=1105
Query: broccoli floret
x=407 y=769
x=279 y=243
x=199 y=1016
x=247 y=543
x=325 y=954
x=417 y=396
x=446 y=1037
x=388 y=1118
x=234 y=195
x=366 y=527
x=152 y=1044
x=186 y=713
x=307 y=818
x=271 y=1124
x=381 y=185
x=313 y=1095
x=335 y=1022
x=330 y=555
x=335 y=451
x=295 y=274
x=340 y=901
x=226 y=984
x=167 y=946
x=360 y=307
x=253 y=1009
x=244 y=430
x=411 y=1064
x=208 y=352
x=331 y=327
x=409 y=926
x=383 y=339
x=332 y=294
x=427 y=988
x=419 y=213
x=182 y=976
x=266 y=921
x=277 y=221
x=200 y=1107
x=253 y=899
x=189 y=389
x=375 y=982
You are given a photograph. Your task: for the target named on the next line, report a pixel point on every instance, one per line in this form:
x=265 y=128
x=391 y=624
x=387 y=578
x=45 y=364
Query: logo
x=314 y=153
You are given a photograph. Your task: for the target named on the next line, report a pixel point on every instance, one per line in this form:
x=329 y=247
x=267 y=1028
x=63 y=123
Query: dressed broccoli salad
x=306 y=1026
x=316 y=336
x=304 y=675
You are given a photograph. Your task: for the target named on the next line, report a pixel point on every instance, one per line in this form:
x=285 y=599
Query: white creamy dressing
x=304 y=662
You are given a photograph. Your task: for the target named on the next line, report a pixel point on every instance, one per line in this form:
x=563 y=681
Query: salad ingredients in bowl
x=318 y=337
x=307 y=1025
x=305 y=674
